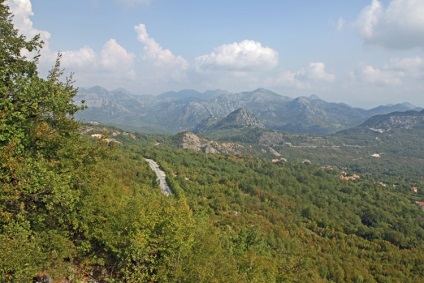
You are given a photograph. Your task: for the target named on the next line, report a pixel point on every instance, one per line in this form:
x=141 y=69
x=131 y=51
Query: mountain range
x=190 y=110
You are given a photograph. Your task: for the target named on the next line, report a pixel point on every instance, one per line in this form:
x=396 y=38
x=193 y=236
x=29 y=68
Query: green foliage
x=20 y=256
x=41 y=155
x=75 y=209
x=303 y=222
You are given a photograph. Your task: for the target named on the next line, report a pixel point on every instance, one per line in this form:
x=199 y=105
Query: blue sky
x=362 y=52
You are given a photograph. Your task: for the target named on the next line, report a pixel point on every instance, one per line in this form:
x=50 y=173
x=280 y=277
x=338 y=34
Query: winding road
x=166 y=190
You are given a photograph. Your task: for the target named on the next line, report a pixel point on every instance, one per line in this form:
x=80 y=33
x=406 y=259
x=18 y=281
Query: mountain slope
x=400 y=107
x=174 y=112
x=239 y=118
x=396 y=120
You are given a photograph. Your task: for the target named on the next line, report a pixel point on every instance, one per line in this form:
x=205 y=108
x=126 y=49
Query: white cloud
x=340 y=24
x=288 y=79
x=247 y=55
x=413 y=66
x=400 y=25
x=316 y=72
x=112 y=61
x=82 y=58
x=115 y=58
x=113 y=65
x=90 y=69
x=396 y=72
x=381 y=76
x=22 y=11
x=166 y=64
x=305 y=78
x=368 y=19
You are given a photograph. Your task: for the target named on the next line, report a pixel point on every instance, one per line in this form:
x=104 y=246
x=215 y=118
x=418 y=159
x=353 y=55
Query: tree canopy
x=41 y=152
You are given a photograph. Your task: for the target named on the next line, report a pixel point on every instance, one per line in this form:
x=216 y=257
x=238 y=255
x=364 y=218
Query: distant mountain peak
x=215 y=92
x=123 y=90
x=261 y=89
x=301 y=101
x=97 y=89
x=314 y=97
x=389 y=108
x=409 y=105
x=264 y=91
x=240 y=118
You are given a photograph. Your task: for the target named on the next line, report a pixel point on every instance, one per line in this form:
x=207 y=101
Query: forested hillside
x=81 y=204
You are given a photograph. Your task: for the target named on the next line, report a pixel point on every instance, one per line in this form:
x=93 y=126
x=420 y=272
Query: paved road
x=161 y=177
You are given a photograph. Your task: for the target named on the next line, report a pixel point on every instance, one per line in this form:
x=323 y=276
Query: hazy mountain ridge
x=237 y=119
x=396 y=120
x=173 y=112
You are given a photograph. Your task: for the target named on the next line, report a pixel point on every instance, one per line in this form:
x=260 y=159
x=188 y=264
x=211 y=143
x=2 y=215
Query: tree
x=41 y=156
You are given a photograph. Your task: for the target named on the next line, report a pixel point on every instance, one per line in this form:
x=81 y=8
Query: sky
x=363 y=52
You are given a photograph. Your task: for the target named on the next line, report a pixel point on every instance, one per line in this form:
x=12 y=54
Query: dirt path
x=161 y=177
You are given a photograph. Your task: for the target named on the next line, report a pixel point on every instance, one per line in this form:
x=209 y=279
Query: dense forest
x=78 y=209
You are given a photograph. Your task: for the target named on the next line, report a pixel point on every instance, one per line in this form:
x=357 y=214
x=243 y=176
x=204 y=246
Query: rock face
x=188 y=140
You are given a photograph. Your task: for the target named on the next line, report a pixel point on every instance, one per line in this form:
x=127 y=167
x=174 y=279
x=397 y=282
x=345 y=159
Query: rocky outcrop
x=189 y=140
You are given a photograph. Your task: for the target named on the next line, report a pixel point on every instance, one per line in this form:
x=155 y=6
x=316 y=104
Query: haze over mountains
x=189 y=110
